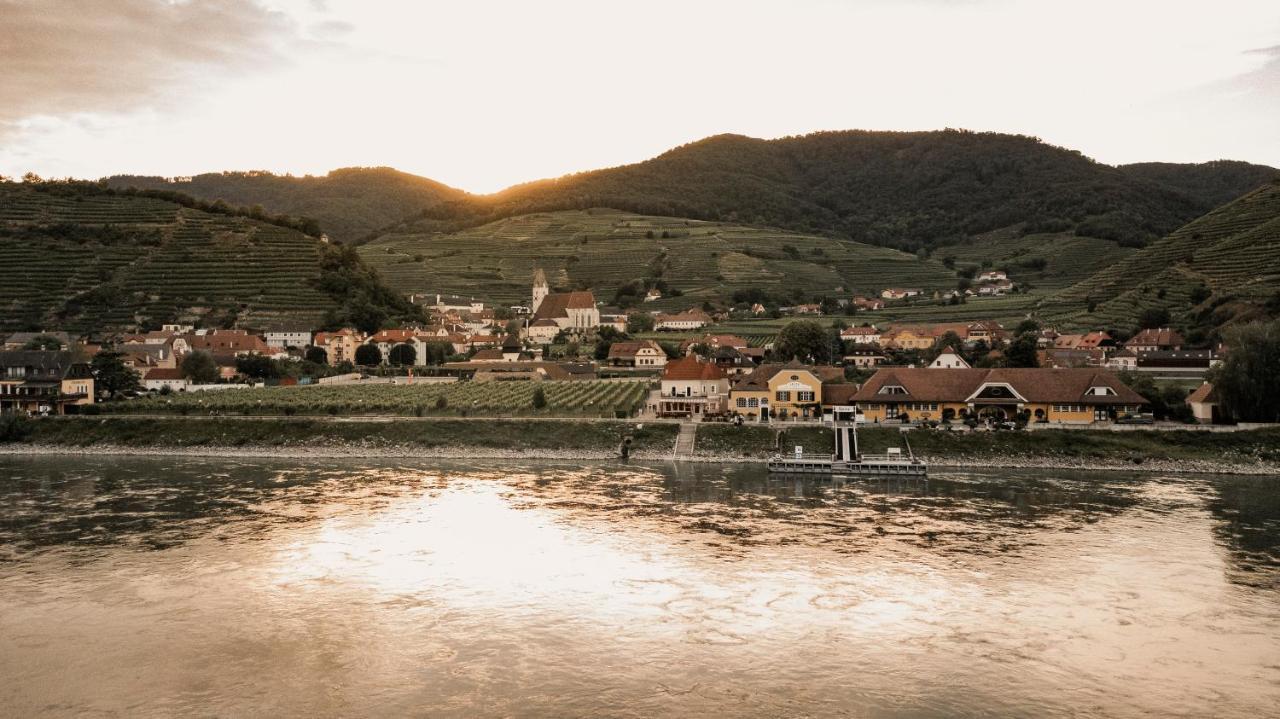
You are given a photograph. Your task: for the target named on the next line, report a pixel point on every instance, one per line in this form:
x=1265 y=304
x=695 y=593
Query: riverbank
x=1254 y=452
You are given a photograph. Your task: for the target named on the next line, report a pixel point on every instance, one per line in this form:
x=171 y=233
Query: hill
x=348 y=203
x=908 y=190
x=1212 y=183
x=95 y=260
x=606 y=250
x=1222 y=267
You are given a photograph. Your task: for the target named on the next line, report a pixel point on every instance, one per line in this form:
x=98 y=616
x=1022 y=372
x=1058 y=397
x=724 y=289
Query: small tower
x=540 y=288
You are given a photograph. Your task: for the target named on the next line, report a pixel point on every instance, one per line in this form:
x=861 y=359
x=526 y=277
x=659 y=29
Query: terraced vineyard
x=513 y=398
x=87 y=263
x=1233 y=252
x=1067 y=258
x=604 y=249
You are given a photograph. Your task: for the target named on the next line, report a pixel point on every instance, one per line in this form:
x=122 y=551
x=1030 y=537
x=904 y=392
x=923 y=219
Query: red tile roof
x=1066 y=385
x=687 y=368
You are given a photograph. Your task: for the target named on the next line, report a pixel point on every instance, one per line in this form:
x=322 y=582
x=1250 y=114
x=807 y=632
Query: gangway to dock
x=847 y=460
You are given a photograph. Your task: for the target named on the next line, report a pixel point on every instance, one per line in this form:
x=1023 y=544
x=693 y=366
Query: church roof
x=558 y=304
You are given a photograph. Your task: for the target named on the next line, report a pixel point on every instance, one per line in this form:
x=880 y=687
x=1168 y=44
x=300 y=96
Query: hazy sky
x=481 y=95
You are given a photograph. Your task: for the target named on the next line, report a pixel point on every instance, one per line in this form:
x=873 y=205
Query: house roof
x=1065 y=385
x=489 y=354
x=859 y=331
x=163 y=373
x=620 y=350
x=838 y=393
x=46 y=364
x=759 y=378
x=694 y=315
x=228 y=340
x=1160 y=337
x=1203 y=393
x=393 y=336
x=687 y=368
x=558 y=304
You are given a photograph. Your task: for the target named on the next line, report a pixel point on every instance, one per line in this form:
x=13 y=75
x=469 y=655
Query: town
x=674 y=365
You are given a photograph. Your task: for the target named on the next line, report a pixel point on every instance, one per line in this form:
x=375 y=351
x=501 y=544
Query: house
x=758 y=309
x=992 y=276
x=653 y=294
x=1080 y=357
x=948 y=360
x=157 y=378
x=569 y=310
x=907 y=338
x=864 y=356
x=1090 y=340
x=285 y=338
x=867 y=303
x=736 y=361
x=807 y=309
x=1172 y=363
x=140 y=356
x=868 y=335
x=713 y=342
x=541 y=331
x=691 y=387
x=614 y=320
x=998 y=287
x=782 y=391
x=1204 y=404
x=640 y=353
x=987 y=331
x=1151 y=340
x=236 y=342
x=20 y=340
x=339 y=346
x=898 y=293
x=1068 y=396
x=691 y=320
x=1125 y=359
x=43 y=381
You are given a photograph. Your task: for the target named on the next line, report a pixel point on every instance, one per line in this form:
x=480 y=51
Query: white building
x=949 y=360
x=281 y=339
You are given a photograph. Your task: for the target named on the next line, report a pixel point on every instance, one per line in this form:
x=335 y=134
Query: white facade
x=287 y=338
x=948 y=360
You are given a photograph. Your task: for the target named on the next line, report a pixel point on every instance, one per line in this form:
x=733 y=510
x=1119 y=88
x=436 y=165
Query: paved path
x=685 y=441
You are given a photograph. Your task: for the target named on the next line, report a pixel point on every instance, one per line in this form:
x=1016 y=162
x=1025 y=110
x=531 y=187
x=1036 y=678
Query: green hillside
x=902 y=189
x=348 y=203
x=606 y=249
x=1222 y=266
x=85 y=260
x=1212 y=183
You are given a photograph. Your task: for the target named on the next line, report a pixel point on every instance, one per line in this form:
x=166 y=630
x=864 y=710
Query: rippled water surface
x=144 y=586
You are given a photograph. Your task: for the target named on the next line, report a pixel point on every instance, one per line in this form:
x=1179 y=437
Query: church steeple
x=540 y=288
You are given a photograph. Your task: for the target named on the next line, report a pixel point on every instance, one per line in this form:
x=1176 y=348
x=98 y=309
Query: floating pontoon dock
x=847 y=460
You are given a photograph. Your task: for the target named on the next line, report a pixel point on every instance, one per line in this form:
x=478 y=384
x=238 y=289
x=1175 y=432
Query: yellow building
x=339 y=346
x=1067 y=396
x=782 y=391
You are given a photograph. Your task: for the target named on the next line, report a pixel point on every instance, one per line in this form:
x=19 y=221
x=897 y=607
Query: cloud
x=64 y=58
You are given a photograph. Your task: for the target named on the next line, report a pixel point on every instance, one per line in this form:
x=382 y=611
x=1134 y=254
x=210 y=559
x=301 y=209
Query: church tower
x=540 y=288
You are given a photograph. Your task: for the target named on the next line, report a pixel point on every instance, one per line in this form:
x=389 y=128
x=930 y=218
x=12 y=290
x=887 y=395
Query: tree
x=368 y=355
x=43 y=342
x=1027 y=326
x=804 y=340
x=639 y=322
x=257 y=366
x=1021 y=352
x=200 y=367
x=111 y=375
x=437 y=352
x=948 y=341
x=1153 y=317
x=403 y=355
x=1248 y=380
x=317 y=355
x=539 y=398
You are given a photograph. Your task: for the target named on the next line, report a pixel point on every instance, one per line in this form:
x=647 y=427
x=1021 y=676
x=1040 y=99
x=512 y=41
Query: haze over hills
x=90 y=261
x=348 y=203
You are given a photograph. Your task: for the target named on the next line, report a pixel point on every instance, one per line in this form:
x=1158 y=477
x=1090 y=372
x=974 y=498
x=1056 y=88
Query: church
x=574 y=311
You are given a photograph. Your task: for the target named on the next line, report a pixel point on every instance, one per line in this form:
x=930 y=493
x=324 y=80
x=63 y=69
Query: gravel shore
x=1161 y=466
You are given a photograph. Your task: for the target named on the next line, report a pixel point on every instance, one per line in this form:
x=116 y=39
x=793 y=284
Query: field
x=511 y=398
x=100 y=262
x=604 y=249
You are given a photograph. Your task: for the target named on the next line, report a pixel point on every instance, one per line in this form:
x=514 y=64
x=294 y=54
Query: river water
x=189 y=587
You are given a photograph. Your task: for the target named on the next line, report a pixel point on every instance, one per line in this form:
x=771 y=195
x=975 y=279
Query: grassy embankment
x=1075 y=445
x=282 y=433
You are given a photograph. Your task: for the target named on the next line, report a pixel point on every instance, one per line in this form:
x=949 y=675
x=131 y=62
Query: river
x=246 y=587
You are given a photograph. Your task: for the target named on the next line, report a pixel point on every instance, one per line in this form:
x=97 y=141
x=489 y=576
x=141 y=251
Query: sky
x=483 y=94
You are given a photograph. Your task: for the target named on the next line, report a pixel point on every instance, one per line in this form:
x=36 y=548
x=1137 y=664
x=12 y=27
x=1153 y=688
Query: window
x=1101 y=391
x=742 y=401
x=892 y=389
x=804 y=396
x=891 y=410
x=783 y=396
x=753 y=402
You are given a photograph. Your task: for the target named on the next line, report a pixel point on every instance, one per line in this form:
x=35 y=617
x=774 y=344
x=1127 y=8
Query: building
x=235 y=342
x=43 y=381
x=1152 y=340
x=1069 y=396
x=1125 y=359
x=713 y=342
x=868 y=335
x=541 y=331
x=20 y=340
x=339 y=346
x=640 y=353
x=864 y=356
x=948 y=360
x=387 y=340
x=1204 y=404
x=285 y=338
x=783 y=391
x=992 y=276
x=653 y=294
x=864 y=304
x=568 y=310
x=693 y=319
x=691 y=387
x=987 y=331
x=157 y=378
x=907 y=338
x=898 y=293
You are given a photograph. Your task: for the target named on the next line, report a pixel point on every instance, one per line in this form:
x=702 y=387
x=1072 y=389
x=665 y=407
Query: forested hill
x=1215 y=183
x=1220 y=268
x=903 y=189
x=348 y=203
x=86 y=259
